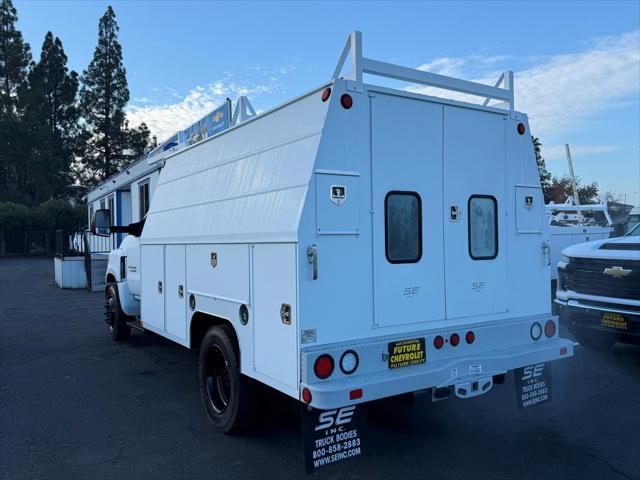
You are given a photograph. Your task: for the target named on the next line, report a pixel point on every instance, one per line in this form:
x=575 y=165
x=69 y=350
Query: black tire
x=227 y=395
x=116 y=319
x=598 y=341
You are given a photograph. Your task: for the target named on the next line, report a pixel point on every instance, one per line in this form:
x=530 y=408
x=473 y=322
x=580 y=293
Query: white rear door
x=474 y=210
x=406 y=141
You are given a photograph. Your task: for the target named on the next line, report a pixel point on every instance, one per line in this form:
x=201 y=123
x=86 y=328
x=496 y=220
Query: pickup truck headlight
x=565 y=259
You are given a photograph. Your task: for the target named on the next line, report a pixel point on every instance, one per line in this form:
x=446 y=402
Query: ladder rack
x=361 y=65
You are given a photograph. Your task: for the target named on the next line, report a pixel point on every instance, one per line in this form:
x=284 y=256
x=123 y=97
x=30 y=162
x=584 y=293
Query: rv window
x=111 y=201
x=143 y=190
x=483 y=227
x=403 y=227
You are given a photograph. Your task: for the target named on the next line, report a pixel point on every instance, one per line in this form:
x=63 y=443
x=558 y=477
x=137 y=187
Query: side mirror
x=101 y=222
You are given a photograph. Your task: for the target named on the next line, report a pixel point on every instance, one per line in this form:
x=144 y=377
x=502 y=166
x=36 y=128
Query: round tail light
x=470 y=337
x=536 y=331
x=349 y=362
x=550 y=328
x=521 y=128
x=454 y=339
x=438 y=342
x=323 y=368
x=326 y=93
x=346 y=101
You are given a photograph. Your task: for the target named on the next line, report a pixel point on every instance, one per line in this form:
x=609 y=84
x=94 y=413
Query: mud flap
x=533 y=385
x=333 y=436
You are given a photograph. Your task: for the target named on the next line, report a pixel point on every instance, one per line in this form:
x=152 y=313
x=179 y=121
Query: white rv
x=355 y=243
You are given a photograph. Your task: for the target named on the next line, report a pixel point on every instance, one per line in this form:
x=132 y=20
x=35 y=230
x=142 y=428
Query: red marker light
x=438 y=342
x=454 y=340
x=470 y=337
x=346 y=101
x=355 y=394
x=323 y=367
x=326 y=93
x=563 y=351
x=306 y=395
x=521 y=128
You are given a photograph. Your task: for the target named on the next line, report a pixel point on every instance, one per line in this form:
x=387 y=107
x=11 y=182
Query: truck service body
x=358 y=242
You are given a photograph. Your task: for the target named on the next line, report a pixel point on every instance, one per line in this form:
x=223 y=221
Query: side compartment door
x=153 y=288
x=274 y=280
x=175 y=296
x=408 y=265
x=475 y=208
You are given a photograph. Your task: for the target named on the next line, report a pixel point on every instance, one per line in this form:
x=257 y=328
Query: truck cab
x=598 y=291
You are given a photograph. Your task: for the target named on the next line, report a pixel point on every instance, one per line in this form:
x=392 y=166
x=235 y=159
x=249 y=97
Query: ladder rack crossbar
x=361 y=65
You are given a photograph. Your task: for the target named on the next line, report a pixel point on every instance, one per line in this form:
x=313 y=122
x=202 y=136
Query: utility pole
x=576 y=199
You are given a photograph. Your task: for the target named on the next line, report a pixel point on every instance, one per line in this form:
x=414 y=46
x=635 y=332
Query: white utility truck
x=571 y=224
x=355 y=243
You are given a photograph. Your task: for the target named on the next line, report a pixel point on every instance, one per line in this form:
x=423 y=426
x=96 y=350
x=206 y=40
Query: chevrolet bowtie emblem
x=617 y=271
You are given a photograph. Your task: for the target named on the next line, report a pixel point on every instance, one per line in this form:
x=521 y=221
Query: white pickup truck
x=355 y=243
x=598 y=291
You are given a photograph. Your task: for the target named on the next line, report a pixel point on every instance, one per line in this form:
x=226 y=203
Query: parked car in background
x=598 y=290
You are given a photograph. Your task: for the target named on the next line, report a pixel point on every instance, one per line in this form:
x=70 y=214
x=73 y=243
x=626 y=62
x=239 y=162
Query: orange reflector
x=355 y=394
x=563 y=351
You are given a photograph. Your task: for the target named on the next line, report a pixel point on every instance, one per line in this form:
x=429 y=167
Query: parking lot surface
x=74 y=404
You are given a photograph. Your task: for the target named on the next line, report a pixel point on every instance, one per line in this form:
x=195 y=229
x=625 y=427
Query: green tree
x=48 y=101
x=140 y=139
x=103 y=96
x=14 y=137
x=15 y=55
x=561 y=188
x=545 y=176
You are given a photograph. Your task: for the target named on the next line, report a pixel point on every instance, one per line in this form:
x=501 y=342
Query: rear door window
x=483 y=227
x=403 y=227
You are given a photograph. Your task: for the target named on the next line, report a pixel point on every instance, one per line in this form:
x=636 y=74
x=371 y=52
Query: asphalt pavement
x=74 y=404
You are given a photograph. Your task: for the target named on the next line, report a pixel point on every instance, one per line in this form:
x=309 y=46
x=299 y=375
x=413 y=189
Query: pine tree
x=51 y=115
x=15 y=55
x=139 y=141
x=103 y=96
x=14 y=138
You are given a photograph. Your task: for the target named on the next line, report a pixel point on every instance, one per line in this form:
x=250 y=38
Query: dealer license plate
x=405 y=353
x=614 y=320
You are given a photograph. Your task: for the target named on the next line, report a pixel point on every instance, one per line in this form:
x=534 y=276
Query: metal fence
x=25 y=243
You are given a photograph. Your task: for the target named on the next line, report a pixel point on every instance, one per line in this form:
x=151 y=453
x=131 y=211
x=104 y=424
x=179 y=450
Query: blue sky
x=577 y=64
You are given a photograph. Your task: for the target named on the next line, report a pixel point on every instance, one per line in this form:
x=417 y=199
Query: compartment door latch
x=312 y=258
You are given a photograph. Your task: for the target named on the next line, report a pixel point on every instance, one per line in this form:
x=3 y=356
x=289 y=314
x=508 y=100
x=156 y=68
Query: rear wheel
x=227 y=395
x=115 y=317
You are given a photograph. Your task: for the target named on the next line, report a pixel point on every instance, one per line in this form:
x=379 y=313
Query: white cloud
x=559 y=92
x=167 y=118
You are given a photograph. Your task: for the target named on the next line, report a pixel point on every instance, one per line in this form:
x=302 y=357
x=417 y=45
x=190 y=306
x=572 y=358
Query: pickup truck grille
x=586 y=275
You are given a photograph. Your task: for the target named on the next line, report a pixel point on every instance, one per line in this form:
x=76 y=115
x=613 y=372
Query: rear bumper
x=477 y=369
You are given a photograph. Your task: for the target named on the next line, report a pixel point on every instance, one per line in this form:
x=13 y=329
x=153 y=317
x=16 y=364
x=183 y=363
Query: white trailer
x=355 y=243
